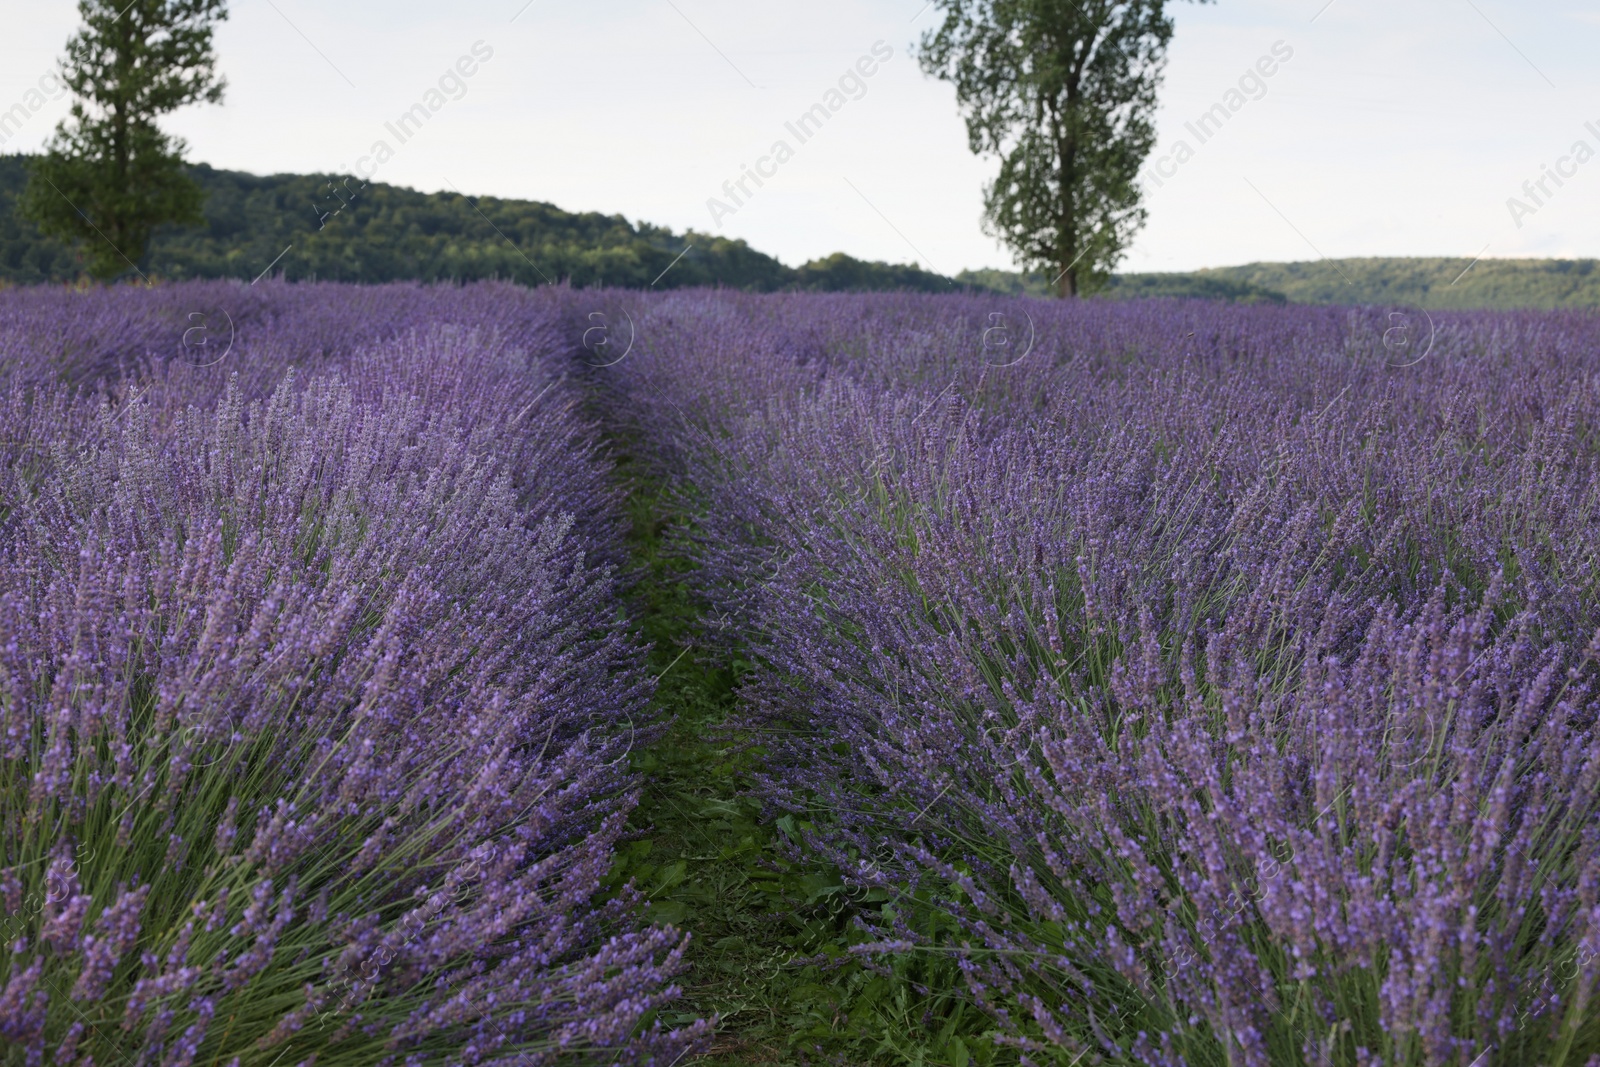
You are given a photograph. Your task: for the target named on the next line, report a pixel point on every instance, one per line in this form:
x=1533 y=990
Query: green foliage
x=1503 y=284
x=1202 y=286
x=1205 y=285
x=841 y=273
x=1426 y=282
x=337 y=229
x=1064 y=94
x=388 y=233
x=110 y=175
x=1009 y=282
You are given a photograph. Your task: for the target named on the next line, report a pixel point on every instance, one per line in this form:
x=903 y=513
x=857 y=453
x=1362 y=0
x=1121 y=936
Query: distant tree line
x=392 y=234
x=1392 y=282
x=1424 y=282
x=306 y=227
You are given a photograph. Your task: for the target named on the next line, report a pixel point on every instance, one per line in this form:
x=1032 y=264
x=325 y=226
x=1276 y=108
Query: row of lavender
x=1225 y=677
x=315 y=708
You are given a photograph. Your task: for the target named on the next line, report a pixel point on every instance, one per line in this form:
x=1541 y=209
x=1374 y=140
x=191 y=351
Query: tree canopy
x=1063 y=92
x=110 y=174
x=388 y=233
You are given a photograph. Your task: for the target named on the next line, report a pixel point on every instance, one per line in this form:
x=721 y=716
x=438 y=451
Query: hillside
x=1390 y=282
x=300 y=227
x=1131 y=286
x=1429 y=283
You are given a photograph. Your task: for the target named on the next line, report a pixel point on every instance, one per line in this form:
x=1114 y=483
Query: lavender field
x=317 y=705
x=1143 y=683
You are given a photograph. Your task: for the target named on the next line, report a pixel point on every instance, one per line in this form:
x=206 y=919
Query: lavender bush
x=315 y=706
x=1223 y=677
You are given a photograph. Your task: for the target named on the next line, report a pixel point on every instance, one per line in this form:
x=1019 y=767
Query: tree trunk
x=1069 y=282
x=1067 y=160
x=121 y=136
x=134 y=35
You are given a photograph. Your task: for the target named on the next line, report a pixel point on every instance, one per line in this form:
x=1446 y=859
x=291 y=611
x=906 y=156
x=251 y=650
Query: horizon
x=637 y=222
x=1377 y=132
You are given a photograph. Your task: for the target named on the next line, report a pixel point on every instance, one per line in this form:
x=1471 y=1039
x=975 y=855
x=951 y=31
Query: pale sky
x=1395 y=127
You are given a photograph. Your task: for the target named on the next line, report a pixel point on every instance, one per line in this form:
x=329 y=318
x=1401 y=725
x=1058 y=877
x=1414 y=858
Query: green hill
x=303 y=227
x=1428 y=283
x=1392 y=282
x=1129 y=286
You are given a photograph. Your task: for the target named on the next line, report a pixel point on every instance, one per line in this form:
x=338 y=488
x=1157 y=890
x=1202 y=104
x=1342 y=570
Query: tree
x=1063 y=92
x=110 y=175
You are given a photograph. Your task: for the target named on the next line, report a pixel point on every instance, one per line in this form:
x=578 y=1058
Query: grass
x=769 y=956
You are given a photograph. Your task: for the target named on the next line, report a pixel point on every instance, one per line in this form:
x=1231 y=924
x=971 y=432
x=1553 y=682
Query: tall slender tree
x=110 y=175
x=1063 y=92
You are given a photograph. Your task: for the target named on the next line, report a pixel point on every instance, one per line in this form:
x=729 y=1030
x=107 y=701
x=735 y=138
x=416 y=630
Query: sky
x=1387 y=127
